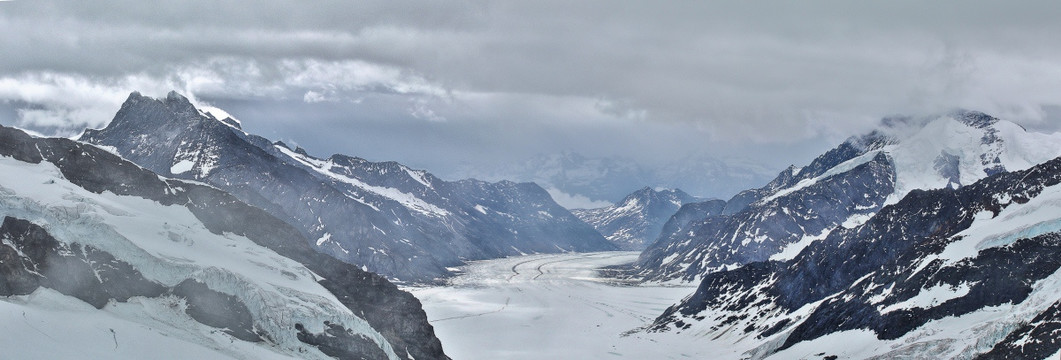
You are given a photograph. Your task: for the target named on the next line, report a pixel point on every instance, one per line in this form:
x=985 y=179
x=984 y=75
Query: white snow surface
x=1040 y=215
x=791 y=250
x=166 y=244
x=48 y=325
x=181 y=166
x=218 y=113
x=915 y=157
x=553 y=307
x=929 y=298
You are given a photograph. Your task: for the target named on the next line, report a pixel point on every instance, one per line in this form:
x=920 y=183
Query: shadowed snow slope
x=137 y=266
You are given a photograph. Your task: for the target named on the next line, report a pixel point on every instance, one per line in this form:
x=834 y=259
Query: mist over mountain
x=578 y=181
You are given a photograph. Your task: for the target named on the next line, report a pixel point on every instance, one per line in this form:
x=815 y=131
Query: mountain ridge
x=920 y=263
x=105 y=205
x=636 y=221
x=400 y=222
x=801 y=205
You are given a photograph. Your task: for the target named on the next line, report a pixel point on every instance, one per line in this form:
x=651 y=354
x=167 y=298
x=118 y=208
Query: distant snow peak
x=637 y=220
x=962 y=147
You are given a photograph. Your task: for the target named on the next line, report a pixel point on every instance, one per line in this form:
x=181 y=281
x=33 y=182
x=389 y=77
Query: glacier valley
x=553 y=306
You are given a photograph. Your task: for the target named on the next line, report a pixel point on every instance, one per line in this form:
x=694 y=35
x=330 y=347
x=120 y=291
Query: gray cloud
x=440 y=83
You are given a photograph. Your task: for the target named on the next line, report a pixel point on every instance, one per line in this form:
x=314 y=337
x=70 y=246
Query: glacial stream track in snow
x=553 y=306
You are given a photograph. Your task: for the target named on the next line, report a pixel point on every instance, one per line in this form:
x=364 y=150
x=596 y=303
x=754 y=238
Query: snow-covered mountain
x=391 y=219
x=843 y=188
x=101 y=258
x=971 y=272
x=591 y=181
x=636 y=221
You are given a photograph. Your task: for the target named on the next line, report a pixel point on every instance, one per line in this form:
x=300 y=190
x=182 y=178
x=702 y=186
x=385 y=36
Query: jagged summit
x=974 y=118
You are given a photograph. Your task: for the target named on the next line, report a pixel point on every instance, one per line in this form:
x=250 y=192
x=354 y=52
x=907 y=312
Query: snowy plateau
x=554 y=307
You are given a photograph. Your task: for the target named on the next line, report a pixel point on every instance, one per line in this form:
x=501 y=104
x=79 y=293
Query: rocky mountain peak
x=974 y=118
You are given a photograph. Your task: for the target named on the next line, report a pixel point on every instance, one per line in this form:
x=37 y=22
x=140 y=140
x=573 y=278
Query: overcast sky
x=435 y=84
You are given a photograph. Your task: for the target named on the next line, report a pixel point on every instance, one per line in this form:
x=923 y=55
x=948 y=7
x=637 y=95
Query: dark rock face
x=636 y=221
x=341 y=343
x=394 y=313
x=848 y=150
x=759 y=231
x=948 y=166
x=866 y=277
x=1038 y=339
x=391 y=219
x=683 y=220
x=31 y=258
x=217 y=309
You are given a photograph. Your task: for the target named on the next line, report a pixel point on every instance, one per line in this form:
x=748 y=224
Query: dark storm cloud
x=631 y=78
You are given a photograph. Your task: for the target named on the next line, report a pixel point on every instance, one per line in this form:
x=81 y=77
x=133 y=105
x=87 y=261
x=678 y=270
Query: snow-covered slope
x=393 y=220
x=843 y=188
x=135 y=264
x=636 y=221
x=952 y=273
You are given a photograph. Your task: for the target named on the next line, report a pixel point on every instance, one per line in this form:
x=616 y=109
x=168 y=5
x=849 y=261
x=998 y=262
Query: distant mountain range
x=579 y=181
x=390 y=219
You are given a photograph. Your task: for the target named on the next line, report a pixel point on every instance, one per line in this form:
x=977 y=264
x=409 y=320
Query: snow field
x=553 y=307
x=168 y=244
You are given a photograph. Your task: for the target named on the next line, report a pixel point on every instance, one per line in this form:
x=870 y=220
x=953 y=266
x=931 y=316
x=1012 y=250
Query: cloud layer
x=441 y=83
